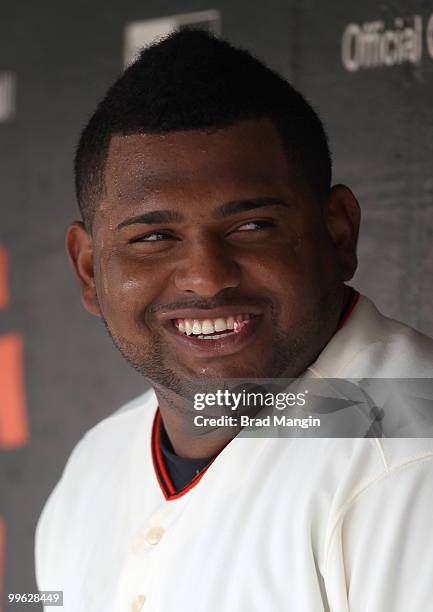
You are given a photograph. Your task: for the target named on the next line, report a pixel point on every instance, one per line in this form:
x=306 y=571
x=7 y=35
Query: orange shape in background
x=14 y=430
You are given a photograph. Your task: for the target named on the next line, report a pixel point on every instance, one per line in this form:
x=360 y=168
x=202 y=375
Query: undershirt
x=182 y=470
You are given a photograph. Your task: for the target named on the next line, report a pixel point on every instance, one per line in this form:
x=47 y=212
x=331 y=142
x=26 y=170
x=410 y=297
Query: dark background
x=64 y=56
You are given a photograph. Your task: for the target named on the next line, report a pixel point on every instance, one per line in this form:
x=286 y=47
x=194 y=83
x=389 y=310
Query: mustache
x=206 y=304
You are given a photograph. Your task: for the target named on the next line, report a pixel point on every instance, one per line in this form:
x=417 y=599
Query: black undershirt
x=182 y=469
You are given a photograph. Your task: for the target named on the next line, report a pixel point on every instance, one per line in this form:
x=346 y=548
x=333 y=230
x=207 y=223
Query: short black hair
x=191 y=80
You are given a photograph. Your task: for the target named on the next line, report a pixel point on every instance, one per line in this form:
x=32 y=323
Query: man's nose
x=207 y=268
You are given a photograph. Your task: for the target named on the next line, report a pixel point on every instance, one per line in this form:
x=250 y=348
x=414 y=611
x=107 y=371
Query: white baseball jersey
x=273 y=525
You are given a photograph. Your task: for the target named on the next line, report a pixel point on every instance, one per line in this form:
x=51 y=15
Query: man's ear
x=342 y=217
x=79 y=247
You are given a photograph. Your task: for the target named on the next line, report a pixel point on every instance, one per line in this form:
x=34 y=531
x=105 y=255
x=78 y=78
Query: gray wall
x=64 y=55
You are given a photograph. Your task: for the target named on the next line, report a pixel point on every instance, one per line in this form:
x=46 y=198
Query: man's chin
x=205 y=373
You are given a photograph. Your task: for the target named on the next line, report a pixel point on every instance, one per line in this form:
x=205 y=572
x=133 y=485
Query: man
x=213 y=247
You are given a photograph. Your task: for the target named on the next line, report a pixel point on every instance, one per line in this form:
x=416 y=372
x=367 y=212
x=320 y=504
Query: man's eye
x=152 y=237
x=254 y=226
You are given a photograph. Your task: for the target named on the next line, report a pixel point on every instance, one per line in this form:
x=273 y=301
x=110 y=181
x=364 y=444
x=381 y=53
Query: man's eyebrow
x=153 y=217
x=225 y=210
x=238 y=206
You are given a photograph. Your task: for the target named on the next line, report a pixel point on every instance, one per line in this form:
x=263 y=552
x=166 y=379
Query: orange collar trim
x=164 y=480
x=350 y=300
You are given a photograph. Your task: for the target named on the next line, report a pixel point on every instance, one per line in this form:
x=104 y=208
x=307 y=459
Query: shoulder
x=98 y=460
x=118 y=428
x=373 y=345
x=110 y=440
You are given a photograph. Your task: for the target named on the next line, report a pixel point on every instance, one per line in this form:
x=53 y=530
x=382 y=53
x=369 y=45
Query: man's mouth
x=217 y=332
x=213 y=329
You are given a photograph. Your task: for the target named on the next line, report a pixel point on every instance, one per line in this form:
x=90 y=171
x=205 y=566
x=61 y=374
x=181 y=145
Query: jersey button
x=154 y=535
x=138 y=603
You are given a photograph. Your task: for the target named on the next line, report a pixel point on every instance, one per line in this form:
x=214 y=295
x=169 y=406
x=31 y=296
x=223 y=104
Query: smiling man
x=213 y=247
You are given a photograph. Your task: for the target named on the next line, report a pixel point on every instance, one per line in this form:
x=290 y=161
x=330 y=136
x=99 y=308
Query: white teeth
x=207 y=327
x=196 y=327
x=203 y=327
x=220 y=325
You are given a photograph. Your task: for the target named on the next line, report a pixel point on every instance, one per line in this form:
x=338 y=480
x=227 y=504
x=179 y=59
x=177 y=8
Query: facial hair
x=290 y=349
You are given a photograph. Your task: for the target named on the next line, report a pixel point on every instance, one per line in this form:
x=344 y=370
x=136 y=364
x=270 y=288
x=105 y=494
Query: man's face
x=211 y=257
